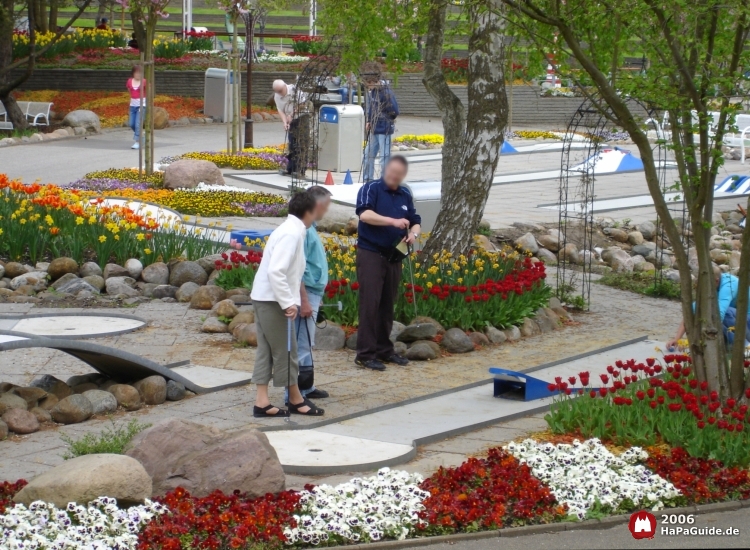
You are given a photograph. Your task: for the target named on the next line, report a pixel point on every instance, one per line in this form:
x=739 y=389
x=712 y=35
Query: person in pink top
x=134 y=84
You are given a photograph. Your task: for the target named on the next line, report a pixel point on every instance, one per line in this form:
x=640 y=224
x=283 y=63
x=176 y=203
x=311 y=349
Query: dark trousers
x=379 y=282
x=298 y=142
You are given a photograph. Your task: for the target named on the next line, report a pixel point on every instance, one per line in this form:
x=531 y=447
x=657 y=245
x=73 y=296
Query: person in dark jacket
x=386 y=217
x=382 y=111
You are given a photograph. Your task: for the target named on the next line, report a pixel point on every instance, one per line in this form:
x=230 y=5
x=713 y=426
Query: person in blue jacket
x=727 y=289
x=382 y=110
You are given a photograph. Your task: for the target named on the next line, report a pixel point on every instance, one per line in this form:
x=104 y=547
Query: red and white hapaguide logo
x=642 y=525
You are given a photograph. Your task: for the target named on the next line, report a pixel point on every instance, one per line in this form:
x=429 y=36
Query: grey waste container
x=341 y=132
x=426 y=195
x=217 y=94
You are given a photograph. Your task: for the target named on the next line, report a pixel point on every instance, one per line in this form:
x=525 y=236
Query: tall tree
x=697 y=53
x=9 y=83
x=473 y=132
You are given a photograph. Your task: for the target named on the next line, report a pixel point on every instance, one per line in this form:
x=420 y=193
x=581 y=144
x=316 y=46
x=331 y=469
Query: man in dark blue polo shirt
x=386 y=217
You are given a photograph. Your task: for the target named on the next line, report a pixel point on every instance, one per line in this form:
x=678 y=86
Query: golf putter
x=289 y=331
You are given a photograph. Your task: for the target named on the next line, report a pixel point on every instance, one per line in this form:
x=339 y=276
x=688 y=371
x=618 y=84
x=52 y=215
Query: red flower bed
x=635 y=406
x=8 y=491
x=220 y=521
x=699 y=479
x=487 y=493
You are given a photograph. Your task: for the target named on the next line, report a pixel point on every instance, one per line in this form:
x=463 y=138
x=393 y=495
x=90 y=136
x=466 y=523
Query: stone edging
x=527 y=530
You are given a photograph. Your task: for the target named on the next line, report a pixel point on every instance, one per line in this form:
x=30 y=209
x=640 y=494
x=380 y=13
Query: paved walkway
x=174 y=335
x=64 y=161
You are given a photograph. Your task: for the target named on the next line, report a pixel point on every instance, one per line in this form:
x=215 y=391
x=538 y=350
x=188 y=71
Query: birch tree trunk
x=473 y=135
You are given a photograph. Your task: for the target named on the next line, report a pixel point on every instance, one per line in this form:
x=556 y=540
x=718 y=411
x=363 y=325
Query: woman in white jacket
x=276 y=299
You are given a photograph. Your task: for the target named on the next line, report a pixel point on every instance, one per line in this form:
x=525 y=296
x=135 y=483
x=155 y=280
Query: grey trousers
x=271 y=357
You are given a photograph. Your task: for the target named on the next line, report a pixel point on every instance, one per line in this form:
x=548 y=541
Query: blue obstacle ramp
x=735 y=183
x=519 y=385
x=252 y=234
x=508 y=149
x=533 y=384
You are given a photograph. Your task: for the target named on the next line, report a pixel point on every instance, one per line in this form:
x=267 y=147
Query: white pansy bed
x=99 y=526
x=382 y=506
x=586 y=473
x=583 y=475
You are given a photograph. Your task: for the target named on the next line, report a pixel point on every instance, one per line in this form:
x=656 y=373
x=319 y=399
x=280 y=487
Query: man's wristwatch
x=416 y=236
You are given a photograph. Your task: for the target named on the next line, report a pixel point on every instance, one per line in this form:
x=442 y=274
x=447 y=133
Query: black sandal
x=262 y=412
x=314 y=410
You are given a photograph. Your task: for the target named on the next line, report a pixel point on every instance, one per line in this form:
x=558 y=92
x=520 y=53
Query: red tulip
x=701 y=425
x=605 y=378
x=674 y=407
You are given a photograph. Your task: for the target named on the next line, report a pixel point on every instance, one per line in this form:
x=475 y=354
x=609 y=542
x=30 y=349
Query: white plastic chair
x=36 y=111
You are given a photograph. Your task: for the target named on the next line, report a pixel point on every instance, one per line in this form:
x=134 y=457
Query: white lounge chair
x=740 y=136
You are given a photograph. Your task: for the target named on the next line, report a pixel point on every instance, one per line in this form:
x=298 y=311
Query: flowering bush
x=220 y=521
x=699 y=479
x=486 y=493
x=8 y=491
x=386 y=505
x=638 y=407
x=267 y=158
x=281 y=58
x=100 y=525
x=127 y=175
x=586 y=474
x=425 y=139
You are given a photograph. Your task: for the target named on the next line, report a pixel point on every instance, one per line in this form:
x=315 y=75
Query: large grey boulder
x=121 y=285
x=75 y=286
x=456 y=340
x=61 y=266
x=156 y=273
x=527 y=243
x=134 y=268
x=153 y=389
x=21 y=421
x=187 y=272
x=549 y=242
x=424 y=350
x=202 y=459
x=188 y=173
x=90 y=268
x=647 y=229
x=421 y=331
x=329 y=338
x=81 y=118
x=73 y=409
x=35 y=279
x=206 y=297
x=52 y=385
x=102 y=402
x=86 y=478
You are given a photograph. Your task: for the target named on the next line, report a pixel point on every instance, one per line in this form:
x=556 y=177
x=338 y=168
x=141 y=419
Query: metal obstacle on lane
x=125 y=367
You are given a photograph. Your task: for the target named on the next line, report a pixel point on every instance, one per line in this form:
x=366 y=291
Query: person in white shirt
x=276 y=300
x=291 y=106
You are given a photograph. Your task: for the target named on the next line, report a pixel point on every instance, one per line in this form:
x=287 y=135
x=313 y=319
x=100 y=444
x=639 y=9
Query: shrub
x=110 y=441
x=200 y=41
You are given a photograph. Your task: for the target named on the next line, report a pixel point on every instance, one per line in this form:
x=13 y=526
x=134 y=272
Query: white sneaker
x=136 y=145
